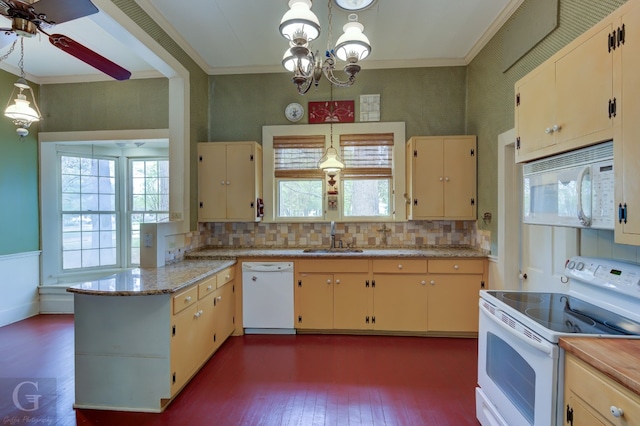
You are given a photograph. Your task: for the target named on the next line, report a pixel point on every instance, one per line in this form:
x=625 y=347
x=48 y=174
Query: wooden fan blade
x=88 y=56
x=59 y=11
x=7 y=37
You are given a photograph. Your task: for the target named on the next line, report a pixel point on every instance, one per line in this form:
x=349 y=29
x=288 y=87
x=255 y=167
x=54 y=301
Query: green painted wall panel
x=19 y=224
x=430 y=100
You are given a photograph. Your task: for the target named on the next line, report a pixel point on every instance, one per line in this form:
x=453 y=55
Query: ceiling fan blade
x=7 y=37
x=59 y=11
x=88 y=56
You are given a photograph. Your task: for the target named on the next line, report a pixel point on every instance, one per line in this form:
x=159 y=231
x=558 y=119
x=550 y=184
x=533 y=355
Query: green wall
x=19 y=224
x=430 y=100
x=490 y=96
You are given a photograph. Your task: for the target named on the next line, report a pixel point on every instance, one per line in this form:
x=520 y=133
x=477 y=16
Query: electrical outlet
x=175 y=216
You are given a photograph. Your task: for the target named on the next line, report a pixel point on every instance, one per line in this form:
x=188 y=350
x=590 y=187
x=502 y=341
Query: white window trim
x=50 y=208
x=398 y=189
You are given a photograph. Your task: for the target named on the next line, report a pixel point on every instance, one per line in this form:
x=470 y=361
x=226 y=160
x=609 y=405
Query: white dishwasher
x=267 y=297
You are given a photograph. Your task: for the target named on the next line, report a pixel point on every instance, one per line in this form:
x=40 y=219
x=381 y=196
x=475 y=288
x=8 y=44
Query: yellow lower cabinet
x=314 y=301
x=453 y=302
x=183 y=343
x=352 y=301
x=224 y=313
x=400 y=302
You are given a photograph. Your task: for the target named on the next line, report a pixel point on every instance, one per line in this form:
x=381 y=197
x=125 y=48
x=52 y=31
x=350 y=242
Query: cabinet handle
x=432 y=282
x=456 y=267
x=337 y=281
x=423 y=282
x=616 y=411
x=328 y=281
x=187 y=299
x=399 y=266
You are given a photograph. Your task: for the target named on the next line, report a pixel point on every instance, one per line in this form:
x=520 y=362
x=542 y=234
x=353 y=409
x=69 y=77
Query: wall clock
x=294 y=112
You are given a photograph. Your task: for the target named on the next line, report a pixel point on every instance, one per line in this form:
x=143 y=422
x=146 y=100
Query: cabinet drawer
x=184 y=299
x=456 y=266
x=225 y=276
x=400 y=266
x=206 y=287
x=333 y=265
x=602 y=393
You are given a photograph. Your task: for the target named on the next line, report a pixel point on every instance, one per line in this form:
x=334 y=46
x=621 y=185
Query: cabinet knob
x=187 y=299
x=432 y=282
x=227 y=277
x=446 y=179
x=616 y=411
x=221 y=182
x=548 y=130
x=209 y=287
x=228 y=183
x=219 y=297
x=423 y=282
x=556 y=128
x=400 y=266
x=441 y=179
x=328 y=281
x=337 y=281
x=456 y=267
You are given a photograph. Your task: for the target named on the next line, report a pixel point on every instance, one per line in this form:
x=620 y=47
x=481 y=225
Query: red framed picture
x=332 y=111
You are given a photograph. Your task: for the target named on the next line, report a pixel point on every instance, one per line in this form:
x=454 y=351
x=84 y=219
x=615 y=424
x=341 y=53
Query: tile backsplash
x=352 y=234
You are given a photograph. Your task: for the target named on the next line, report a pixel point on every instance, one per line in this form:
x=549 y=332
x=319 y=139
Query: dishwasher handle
x=267 y=266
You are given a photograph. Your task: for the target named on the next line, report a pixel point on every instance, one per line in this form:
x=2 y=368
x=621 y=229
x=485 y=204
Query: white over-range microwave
x=571 y=189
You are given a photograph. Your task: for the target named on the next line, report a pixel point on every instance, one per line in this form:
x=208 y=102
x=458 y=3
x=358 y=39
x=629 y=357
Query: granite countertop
x=616 y=358
x=427 y=252
x=149 y=281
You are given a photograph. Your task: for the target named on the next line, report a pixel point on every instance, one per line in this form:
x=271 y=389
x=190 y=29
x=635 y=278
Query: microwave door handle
x=582 y=217
x=547 y=349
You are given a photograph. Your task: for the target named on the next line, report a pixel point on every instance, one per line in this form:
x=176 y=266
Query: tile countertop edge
x=616 y=358
x=153 y=281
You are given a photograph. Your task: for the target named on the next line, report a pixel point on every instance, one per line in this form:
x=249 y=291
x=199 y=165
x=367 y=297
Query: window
x=299 y=182
x=368 y=174
x=371 y=187
x=89 y=212
x=148 y=198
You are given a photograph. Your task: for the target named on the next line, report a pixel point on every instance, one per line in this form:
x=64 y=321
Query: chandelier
x=20 y=112
x=300 y=26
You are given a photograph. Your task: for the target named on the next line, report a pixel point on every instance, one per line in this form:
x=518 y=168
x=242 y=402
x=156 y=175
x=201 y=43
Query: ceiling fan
x=28 y=17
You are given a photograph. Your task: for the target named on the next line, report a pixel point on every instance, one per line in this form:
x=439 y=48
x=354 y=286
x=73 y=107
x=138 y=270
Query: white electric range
x=520 y=365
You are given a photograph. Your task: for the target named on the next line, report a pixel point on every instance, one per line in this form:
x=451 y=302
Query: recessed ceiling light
x=354 y=5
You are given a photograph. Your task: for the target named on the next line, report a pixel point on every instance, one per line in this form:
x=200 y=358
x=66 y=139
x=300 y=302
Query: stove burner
x=523 y=297
x=568 y=322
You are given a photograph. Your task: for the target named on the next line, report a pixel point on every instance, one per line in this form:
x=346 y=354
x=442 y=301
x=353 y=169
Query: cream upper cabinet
x=229 y=181
x=567 y=102
x=626 y=147
x=441 y=177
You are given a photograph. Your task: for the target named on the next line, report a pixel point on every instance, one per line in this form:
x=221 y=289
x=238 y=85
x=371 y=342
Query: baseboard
x=18 y=313
x=55 y=300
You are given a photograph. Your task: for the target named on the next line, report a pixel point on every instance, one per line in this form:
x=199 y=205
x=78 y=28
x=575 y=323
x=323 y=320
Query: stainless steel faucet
x=333 y=235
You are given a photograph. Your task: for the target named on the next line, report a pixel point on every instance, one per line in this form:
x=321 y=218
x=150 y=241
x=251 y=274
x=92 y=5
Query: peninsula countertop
x=292 y=253
x=150 y=281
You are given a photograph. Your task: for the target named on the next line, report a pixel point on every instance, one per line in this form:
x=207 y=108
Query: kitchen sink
x=332 y=250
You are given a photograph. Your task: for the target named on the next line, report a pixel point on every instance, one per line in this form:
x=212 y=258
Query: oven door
x=517 y=372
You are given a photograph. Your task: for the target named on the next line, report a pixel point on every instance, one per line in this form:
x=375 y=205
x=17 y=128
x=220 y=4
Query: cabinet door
x=206 y=328
x=183 y=347
x=453 y=302
x=460 y=177
x=535 y=111
x=400 y=302
x=314 y=301
x=580 y=414
x=626 y=146
x=240 y=181
x=352 y=301
x=428 y=178
x=584 y=87
x=225 y=307
x=212 y=181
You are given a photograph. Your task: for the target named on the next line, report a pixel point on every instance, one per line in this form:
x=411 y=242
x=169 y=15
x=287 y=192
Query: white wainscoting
x=19 y=286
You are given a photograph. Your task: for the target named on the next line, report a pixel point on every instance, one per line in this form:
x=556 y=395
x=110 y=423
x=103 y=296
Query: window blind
x=367 y=156
x=298 y=156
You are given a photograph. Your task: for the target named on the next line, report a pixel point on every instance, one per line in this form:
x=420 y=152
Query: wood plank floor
x=270 y=380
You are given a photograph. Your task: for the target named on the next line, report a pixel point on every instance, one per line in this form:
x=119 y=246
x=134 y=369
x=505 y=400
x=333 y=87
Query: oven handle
x=547 y=349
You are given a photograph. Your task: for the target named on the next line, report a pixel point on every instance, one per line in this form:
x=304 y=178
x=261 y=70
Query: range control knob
x=580 y=266
x=571 y=265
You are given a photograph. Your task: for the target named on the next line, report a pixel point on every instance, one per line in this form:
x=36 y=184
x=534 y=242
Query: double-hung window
x=298 y=180
x=367 y=179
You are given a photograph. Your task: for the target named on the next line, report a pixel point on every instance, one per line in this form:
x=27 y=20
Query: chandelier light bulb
x=21 y=112
x=353 y=45
x=299 y=24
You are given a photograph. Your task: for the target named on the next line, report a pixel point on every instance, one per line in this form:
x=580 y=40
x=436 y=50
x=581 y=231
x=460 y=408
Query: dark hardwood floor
x=265 y=380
